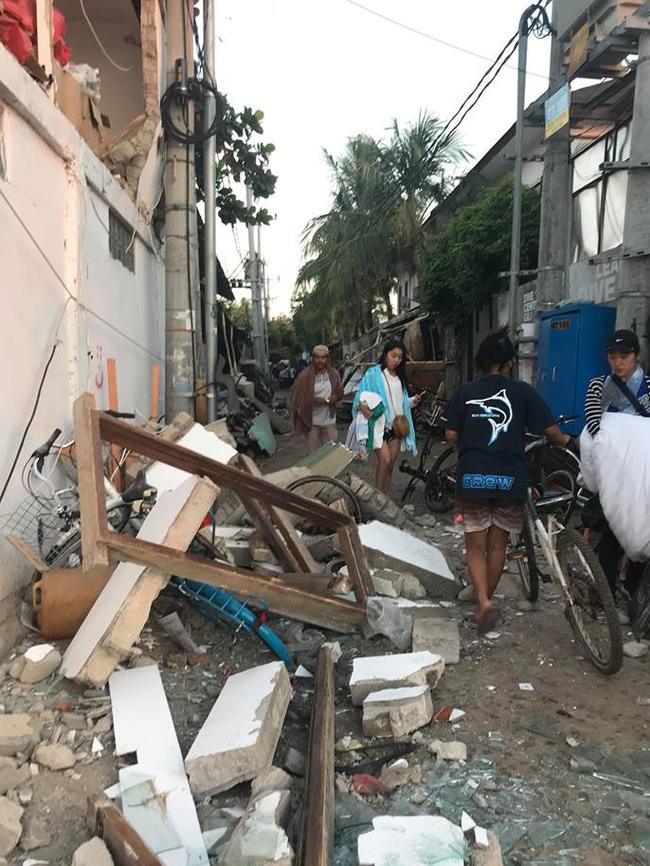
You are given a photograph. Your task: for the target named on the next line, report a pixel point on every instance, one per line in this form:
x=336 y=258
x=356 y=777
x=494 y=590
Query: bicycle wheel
x=325 y=481
x=422 y=467
x=439 y=492
x=524 y=556
x=592 y=611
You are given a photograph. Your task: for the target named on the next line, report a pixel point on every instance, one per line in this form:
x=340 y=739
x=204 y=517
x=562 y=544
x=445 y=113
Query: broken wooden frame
x=296 y=595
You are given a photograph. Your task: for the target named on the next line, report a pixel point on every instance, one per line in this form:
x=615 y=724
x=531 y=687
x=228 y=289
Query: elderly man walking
x=314 y=396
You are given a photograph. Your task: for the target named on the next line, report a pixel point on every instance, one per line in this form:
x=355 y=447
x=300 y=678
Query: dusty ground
x=538 y=792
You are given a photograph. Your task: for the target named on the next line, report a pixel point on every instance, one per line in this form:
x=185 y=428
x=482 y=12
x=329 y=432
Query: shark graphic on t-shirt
x=497 y=410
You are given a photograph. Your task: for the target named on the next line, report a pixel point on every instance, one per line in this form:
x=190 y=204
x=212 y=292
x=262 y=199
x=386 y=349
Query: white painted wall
x=59 y=282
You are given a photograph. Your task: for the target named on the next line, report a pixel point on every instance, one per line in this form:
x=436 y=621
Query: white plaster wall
x=119 y=314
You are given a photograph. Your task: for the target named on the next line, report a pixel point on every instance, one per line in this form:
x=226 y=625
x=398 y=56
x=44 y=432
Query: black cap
x=623 y=341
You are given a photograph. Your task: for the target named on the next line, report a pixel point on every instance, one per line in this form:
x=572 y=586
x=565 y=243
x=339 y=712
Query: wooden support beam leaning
x=148 y=445
x=90 y=481
x=262 y=521
x=126 y=846
x=301 y=556
x=357 y=566
x=287 y=599
x=316 y=841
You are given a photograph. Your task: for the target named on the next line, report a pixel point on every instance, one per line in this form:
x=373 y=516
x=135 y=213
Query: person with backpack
x=625 y=389
x=487 y=420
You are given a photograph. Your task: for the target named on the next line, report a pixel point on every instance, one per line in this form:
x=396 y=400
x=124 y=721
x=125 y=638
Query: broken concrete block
x=10 y=826
x=490 y=856
x=438 y=636
x=385 y=586
x=294 y=762
x=54 y=756
x=240 y=735
x=389 y=547
x=412 y=840
x=445 y=751
x=400 y=773
x=273 y=779
x=93 y=853
x=411 y=588
x=375 y=673
x=397 y=712
x=259 y=839
x=635 y=649
x=11 y=775
x=16 y=733
x=35 y=833
x=36 y=664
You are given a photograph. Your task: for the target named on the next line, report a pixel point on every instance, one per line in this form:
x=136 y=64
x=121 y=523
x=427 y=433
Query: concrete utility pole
x=256 y=292
x=556 y=202
x=633 y=298
x=515 y=249
x=261 y=274
x=181 y=238
x=210 y=192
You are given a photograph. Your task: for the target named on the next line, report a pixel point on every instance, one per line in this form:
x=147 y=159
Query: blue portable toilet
x=571 y=351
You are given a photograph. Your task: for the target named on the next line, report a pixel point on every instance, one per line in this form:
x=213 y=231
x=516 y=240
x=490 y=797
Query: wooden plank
x=264 y=525
x=90 y=481
x=355 y=570
x=295 y=602
x=27 y=553
x=316 y=842
x=155 y=387
x=116 y=451
x=362 y=562
x=148 y=445
x=126 y=846
x=284 y=525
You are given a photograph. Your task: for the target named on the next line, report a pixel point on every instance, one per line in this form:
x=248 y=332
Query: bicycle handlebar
x=45 y=449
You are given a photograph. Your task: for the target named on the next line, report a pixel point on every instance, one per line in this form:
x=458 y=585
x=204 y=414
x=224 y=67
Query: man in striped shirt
x=605 y=395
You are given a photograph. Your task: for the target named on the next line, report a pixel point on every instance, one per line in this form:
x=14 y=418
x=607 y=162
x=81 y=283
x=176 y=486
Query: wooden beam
x=321 y=609
x=125 y=844
x=356 y=563
x=90 y=481
x=362 y=562
x=264 y=525
x=148 y=445
x=316 y=842
x=27 y=553
x=285 y=527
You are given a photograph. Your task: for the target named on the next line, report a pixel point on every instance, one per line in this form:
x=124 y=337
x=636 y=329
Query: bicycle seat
x=139 y=489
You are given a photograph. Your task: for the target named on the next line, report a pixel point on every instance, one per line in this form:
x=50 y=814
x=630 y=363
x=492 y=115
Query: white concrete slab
x=403 y=670
x=143 y=725
x=198 y=439
x=413 y=840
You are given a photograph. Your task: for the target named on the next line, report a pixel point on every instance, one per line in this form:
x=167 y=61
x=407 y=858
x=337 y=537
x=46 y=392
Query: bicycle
x=434 y=476
x=590 y=607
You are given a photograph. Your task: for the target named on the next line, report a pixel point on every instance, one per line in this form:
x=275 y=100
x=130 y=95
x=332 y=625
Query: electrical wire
x=99 y=41
x=408 y=27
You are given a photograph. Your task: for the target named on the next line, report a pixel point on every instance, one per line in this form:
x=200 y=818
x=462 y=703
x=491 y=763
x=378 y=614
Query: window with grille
x=121 y=240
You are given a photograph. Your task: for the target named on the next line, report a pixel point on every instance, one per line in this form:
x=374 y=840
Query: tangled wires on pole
x=184 y=91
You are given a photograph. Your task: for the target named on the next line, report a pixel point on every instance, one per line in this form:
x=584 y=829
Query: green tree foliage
x=459 y=266
x=283 y=342
x=240 y=314
x=382 y=193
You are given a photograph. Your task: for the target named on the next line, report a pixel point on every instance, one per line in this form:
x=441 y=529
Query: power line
x=429 y=36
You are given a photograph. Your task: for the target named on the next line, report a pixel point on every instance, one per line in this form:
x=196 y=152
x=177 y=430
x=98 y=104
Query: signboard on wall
x=557 y=109
x=597 y=283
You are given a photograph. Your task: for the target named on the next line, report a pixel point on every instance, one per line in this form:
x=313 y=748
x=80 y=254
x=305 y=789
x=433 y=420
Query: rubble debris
x=448 y=751
x=294 y=762
x=92 y=853
x=376 y=673
x=388 y=619
x=54 y=756
x=389 y=547
x=12 y=776
x=35 y=833
x=449 y=714
x=164 y=477
x=400 y=773
x=240 y=735
x=174 y=627
x=260 y=838
x=412 y=840
x=526 y=687
x=36 y=664
x=143 y=724
x=411 y=588
x=376 y=504
x=273 y=779
x=10 y=825
x=17 y=733
x=634 y=649
x=397 y=712
x=437 y=636
x=122 y=609
x=365 y=783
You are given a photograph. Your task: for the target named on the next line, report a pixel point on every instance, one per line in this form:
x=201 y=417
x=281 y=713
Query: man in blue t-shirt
x=488 y=420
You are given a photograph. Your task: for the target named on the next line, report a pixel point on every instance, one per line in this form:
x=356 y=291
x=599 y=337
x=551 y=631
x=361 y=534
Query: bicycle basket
x=36 y=522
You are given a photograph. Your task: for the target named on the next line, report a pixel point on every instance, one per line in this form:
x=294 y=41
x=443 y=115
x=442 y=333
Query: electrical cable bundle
x=192 y=90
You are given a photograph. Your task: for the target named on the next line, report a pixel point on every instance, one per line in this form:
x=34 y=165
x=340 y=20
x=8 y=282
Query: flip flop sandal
x=489 y=619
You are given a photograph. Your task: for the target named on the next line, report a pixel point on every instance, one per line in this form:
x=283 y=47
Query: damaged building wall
x=65 y=282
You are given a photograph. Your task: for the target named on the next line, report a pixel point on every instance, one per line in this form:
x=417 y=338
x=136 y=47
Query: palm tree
x=383 y=192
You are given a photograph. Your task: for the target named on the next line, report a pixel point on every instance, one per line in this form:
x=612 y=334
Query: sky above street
x=325 y=70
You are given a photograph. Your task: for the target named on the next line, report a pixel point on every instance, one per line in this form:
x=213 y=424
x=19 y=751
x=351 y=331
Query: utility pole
x=515 y=250
x=556 y=201
x=210 y=192
x=256 y=293
x=261 y=273
x=633 y=297
x=267 y=316
x=182 y=306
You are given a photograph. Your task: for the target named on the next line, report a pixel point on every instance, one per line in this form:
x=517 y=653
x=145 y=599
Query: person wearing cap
x=314 y=396
x=605 y=394
x=488 y=420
